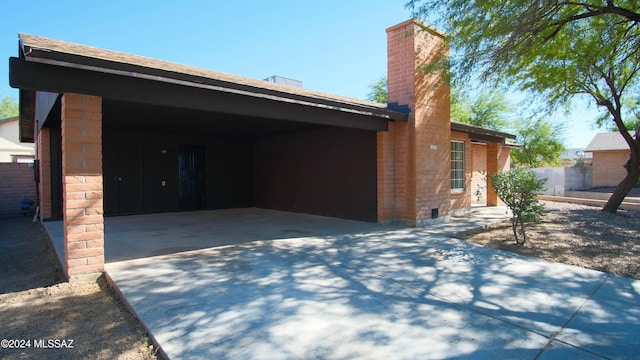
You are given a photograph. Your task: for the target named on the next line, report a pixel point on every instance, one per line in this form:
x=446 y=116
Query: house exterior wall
x=149 y=162
x=608 y=167
x=461 y=199
x=16 y=182
x=413 y=157
x=479 y=174
x=498 y=160
x=43 y=142
x=11 y=149
x=328 y=172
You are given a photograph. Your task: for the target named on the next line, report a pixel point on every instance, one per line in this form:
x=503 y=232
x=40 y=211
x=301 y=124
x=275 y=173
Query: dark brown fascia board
x=27 y=106
x=481 y=134
x=42 y=76
x=72 y=60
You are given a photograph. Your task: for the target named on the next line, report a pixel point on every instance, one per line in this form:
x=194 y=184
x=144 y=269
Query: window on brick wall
x=457 y=165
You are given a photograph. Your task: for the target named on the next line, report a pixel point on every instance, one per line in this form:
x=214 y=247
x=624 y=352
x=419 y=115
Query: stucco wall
x=10 y=146
x=608 y=167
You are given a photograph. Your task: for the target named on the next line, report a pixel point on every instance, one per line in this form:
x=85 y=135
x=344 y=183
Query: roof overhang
x=108 y=74
x=481 y=135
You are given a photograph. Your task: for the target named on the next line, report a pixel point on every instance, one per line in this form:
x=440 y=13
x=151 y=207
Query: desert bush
x=518 y=188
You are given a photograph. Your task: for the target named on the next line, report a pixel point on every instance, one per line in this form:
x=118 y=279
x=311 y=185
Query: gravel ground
x=83 y=320
x=577 y=235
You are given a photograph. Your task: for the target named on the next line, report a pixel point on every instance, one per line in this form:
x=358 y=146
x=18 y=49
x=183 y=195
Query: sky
x=334 y=46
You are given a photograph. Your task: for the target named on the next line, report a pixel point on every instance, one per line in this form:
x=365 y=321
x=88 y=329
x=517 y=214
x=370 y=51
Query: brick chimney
x=414 y=186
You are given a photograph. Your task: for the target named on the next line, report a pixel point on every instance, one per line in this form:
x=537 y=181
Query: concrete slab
x=137 y=236
x=290 y=299
x=608 y=324
x=357 y=290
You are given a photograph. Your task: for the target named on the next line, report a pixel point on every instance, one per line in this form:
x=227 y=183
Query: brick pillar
x=493 y=154
x=44 y=157
x=82 y=185
x=421 y=146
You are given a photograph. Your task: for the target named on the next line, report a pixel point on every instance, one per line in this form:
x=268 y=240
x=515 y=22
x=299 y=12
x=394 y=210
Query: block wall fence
x=17 y=180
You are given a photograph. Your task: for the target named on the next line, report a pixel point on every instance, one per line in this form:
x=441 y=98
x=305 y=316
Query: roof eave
x=248 y=87
x=482 y=133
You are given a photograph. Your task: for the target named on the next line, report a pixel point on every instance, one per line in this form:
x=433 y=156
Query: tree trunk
x=633 y=174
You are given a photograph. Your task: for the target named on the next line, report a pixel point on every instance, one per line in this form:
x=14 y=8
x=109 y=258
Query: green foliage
x=488 y=110
x=378 y=91
x=553 y=50
x=540 y=142
x=518 y=188
x=8 y=107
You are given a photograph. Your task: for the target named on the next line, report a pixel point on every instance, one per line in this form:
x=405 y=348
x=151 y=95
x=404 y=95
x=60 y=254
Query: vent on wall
x=283 y=80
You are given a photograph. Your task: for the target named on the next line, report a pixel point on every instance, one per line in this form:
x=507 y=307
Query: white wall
x=561 y=179
x=10 y=146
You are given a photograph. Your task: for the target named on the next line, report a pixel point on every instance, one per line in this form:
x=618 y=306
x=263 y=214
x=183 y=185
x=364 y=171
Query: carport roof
x=57 y=66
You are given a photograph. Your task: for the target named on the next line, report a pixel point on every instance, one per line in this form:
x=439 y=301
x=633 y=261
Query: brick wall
x=493 y=167
x=608 y=167
x=498 y=160
x=16 y=181
x=462 y=199
x=479 y=175
x=82 y=184
x=413 y=157
x=43 y=149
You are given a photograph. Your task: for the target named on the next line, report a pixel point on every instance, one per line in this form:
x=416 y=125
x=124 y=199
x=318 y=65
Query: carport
x=119 y=134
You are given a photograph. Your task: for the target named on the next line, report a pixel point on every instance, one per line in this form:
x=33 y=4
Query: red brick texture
x=498 y=160
x=82 y=184
x=479 y=174
x=16 y=181
x=461 y=199
x=43 y=148
x=414 y=157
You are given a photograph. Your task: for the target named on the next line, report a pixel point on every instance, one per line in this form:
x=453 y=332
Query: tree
x=8 y=107
x=378 y=91
x=518 y=189
x=553 y=49
x=540 y=144
x=487 y=110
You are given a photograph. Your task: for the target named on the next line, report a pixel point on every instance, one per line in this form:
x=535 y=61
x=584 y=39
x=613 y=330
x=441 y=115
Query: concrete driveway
x=371 y=292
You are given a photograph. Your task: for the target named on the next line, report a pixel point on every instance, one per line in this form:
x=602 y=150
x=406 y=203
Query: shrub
x=518 y=188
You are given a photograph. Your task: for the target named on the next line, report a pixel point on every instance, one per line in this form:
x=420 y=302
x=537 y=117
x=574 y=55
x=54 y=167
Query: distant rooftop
x=610 y=141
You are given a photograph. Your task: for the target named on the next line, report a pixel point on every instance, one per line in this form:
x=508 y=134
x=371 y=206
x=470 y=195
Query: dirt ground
x=36 y=305
x=83 y=320
x=577 y=235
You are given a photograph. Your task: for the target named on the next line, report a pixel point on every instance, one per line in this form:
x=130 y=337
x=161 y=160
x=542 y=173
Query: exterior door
x=191 y=167
x=123 y=178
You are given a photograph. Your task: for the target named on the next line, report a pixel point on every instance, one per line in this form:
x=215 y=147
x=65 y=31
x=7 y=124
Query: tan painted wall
x=608 y=167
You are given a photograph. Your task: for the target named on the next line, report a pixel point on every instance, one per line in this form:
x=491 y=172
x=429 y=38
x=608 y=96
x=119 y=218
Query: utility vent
x=283 y=80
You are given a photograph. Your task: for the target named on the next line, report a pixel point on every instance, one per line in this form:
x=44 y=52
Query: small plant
x=481 y=188
x=518 y=188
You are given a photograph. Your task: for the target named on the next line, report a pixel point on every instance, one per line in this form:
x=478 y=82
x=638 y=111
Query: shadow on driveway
x=385 y=293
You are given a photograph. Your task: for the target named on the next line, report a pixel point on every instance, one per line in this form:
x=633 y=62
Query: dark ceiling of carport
x=154 y=118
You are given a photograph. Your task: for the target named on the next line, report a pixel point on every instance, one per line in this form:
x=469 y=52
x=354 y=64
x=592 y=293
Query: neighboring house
x=610 y=153
x=11 y=149
x=120 y=134
x=17 y=183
